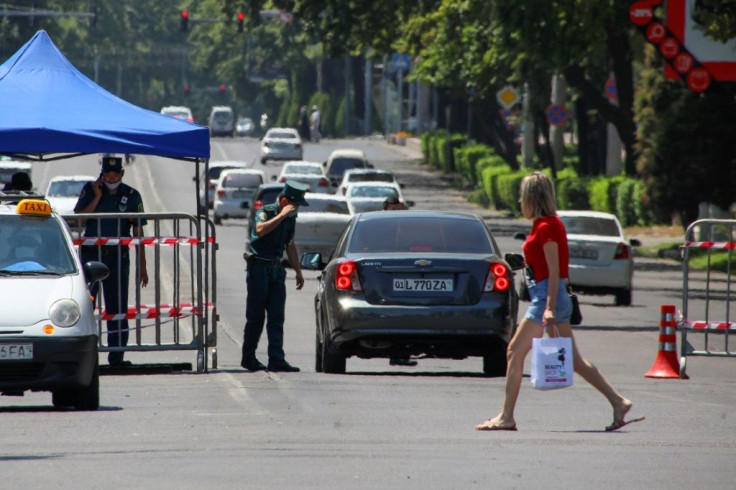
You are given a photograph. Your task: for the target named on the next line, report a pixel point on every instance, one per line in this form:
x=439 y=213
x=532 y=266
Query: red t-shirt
x=547 y=229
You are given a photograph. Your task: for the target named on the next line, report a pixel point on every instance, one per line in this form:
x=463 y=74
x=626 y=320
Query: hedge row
x=484 y=169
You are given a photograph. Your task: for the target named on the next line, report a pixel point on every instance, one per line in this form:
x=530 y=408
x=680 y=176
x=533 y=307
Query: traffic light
x=241 y=19
x=186 y=90
x=222 y=89
x=93 y=19
x=184 y=20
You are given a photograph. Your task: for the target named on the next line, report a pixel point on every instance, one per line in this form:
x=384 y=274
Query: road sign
x=556 y=114
x=507 y=118
x=698 y=80
x=285 y=17
x=656 y=32
x=400 y=61
x=507 y=97
x=669 y=47
x=611 y=90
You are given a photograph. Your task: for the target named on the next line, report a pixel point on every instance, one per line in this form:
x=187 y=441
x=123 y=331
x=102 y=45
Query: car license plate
x=583 y=253
x=16 y=352
x=438 y=285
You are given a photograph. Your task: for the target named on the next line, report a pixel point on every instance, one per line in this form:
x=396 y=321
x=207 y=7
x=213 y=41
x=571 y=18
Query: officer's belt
x=261 y=260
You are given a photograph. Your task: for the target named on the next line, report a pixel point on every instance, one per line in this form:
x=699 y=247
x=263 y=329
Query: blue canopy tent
x=50 y=111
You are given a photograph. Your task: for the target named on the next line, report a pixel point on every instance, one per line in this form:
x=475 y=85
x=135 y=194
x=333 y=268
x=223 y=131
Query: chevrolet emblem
x=423 y=263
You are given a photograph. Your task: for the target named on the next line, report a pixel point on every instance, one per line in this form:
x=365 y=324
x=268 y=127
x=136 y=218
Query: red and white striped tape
x=131 y=242
x=718 y=245
x=695 y=325
x=150 y=312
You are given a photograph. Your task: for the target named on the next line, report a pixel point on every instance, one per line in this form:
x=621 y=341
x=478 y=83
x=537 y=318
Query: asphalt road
x=377 y=426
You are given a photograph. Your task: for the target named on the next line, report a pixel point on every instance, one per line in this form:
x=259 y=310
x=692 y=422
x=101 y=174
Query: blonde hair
x=537 y=196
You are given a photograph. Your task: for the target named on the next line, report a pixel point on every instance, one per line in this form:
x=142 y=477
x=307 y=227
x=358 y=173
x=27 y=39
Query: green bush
x=459 y=157
x=625 y=210
x=473 y=154
x=644 y=214
x=508 y=190
x=571 y=190
x=484 y=163
x=604 y=193
x=489 y=180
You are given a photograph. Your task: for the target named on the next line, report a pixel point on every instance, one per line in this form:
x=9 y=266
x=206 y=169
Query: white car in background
x=601 y=258
x=233 y=192
x=320 y=224
x=309 y=173
x=63 y=192
x=363 y=197
x=365 y=175
x=179 y=112
x=342 y=160
x=281 y=144
x=207 y=183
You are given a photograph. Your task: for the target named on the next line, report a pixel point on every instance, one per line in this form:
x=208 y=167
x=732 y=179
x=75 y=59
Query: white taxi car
x=48 y=332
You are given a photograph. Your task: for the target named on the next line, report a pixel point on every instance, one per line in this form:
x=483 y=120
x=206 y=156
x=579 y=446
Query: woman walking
x=546 y=253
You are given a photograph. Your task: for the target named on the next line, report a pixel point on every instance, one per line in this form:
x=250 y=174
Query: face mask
x=113 y=186
x=25 y=252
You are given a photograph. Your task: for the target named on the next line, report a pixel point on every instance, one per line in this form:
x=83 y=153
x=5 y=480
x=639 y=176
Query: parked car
x=233 y=191
x=221 y=121
x=363 y=197
x=407 y=283
x=281 y=144
x=179 y=112
x=208 y=183
x=63 y=192
x=365 y=175
x=319 y=225
x=309 y=173
x=601 y=258
x=49 y=332
x=245 y=126
x=341 y=160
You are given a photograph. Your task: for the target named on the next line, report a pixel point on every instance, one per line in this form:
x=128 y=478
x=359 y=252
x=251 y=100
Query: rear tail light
x=258 y=204
x=211 y=185
x=190 y=119
x=220 y=192
x=346 y=278
x=282 y=179
x=298 y=146
x=323 y=182
x=622 y=251
x=266 y=144
x=497 y=278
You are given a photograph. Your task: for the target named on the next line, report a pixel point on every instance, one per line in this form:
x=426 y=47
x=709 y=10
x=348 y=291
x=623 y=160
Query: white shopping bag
x=552 y=365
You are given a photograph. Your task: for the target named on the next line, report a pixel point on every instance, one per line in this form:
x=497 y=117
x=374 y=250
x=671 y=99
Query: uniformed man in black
x=272 y=233
x=109 y=194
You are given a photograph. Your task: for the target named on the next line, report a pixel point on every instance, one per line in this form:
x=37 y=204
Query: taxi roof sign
x=36 y=207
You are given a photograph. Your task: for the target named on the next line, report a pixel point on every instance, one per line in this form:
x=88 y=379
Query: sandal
x=491 y=425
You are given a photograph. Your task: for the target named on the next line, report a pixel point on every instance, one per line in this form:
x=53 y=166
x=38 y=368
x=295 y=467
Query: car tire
x=263 y=161
x=623 y=297
x=89 y=398
x=331 y=363
x=218 y=220
x=317 y=354
x=494 y=363
x=62 y=398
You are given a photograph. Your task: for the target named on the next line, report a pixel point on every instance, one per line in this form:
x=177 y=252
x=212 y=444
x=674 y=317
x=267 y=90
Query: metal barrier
x=177 y=311
x=706 y=322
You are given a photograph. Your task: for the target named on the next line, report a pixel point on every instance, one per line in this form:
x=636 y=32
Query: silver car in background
x=233 y=192
x=319 y=225
x=207 y=183
x=281 y=144
x=365 y=175
x=309 y=173
x=363 y=197
x=601 y=259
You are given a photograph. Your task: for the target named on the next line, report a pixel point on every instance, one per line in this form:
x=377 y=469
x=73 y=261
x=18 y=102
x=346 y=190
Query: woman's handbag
x=552 y=364
x=576 y=318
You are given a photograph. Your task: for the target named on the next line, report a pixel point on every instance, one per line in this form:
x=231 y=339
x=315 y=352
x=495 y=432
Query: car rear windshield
x=29 y=244
x=213 y=173
x=302 y=170
x=371 y=177
x=282 y=135
x=340 y=165
x=373 y=191
x=420 y=234
x=242 y=180
x=326 y=206
x=588 y=225
x=223 y=116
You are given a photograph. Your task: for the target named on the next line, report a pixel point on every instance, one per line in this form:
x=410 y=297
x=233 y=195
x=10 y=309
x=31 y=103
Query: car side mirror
x=273 y=177
x=401 y=186
x=635 y=242
x=369 y=165
x=194 y=179
x=519 y=236
x=312 y=261
x=515 y=261
x=409 y=203
x=95 y=271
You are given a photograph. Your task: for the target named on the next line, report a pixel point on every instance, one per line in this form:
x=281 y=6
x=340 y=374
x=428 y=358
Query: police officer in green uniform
x=108 y=194
x=272 y=232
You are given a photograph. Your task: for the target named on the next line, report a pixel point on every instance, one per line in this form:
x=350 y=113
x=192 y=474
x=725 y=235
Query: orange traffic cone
x=666 y=364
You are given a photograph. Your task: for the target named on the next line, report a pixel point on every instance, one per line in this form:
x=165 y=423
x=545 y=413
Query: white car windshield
x=33 y=245
x=373 y=191
x=302 y=170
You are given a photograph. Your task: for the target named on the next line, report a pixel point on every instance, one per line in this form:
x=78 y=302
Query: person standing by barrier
x=109 y=194
x=546 y=252
x=315 y=121
x=273 y=231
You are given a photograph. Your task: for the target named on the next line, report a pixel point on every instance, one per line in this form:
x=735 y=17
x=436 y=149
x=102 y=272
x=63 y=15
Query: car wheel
x=62 y=398
x=317 y=353
x=331 y=363
x=218 y=220
x=263 y=161
x=88 y=398
x=494 y=363
x=623 y=297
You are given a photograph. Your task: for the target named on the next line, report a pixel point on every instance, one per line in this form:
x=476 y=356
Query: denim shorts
x=538 y=294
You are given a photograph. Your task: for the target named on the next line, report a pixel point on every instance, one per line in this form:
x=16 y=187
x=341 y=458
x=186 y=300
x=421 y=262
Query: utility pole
x=367 y=97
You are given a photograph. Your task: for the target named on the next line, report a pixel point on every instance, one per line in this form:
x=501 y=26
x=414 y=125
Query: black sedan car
x=405 y=283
